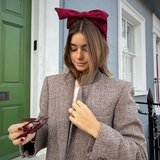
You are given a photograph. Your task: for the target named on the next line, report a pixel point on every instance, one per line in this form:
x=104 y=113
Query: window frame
x=132 y=54
x=126 y=11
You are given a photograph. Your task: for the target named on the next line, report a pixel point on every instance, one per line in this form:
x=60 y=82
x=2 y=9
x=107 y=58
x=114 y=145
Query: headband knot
x=98 y=17
x=84 y=14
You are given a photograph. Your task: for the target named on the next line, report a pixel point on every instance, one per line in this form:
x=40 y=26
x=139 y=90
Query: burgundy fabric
x=98 y=17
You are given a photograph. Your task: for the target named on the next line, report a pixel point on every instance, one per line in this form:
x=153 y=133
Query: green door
x=15 y=38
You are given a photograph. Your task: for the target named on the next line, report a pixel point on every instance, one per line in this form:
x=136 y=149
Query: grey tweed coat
x=111 y=100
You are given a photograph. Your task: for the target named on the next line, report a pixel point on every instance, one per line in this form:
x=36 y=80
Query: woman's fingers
x=16 y=130
x=13 y=136
x=81 y=104
x=84 y=119
x=24 y=140
x=20 y=141
x=71 y=111
x=16 y=127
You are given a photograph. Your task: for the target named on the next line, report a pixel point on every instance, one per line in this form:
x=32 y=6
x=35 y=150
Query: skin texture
x=78 y=52
x=84 y=119
x=15 y=130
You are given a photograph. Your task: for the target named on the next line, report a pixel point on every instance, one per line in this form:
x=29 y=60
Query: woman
x=91 y=116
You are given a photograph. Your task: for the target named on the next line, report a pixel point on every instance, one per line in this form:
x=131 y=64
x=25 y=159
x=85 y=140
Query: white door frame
x=44 y=60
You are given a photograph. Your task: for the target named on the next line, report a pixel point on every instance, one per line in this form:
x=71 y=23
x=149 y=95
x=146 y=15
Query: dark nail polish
x=24 y=129
x=22 y=139
x=19 y=128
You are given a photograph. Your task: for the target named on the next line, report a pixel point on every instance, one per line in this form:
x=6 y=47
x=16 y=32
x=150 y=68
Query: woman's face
x=78 y=52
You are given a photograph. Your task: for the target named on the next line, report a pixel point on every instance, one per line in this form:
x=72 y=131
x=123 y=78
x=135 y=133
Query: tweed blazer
x=111 y=100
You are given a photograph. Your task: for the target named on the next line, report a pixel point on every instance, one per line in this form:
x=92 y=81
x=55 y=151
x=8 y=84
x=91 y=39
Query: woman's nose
x=79 y=54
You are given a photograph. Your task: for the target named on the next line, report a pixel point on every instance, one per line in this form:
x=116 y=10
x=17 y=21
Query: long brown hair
x=97 y=48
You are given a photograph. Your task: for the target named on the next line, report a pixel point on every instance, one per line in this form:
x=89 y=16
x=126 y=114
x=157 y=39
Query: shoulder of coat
x=57 y=78
x=60 y=79
x=114 y=81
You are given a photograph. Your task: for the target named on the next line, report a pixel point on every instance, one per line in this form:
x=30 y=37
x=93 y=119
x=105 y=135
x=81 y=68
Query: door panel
x=15 y=7
x=15 y=31
x=12 y=49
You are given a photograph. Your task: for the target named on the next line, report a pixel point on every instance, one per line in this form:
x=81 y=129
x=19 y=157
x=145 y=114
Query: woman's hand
x=16 y=130
x=84 y=119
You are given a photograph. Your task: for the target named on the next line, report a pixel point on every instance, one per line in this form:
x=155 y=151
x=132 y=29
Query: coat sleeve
x=126 y=139
x=31 y=149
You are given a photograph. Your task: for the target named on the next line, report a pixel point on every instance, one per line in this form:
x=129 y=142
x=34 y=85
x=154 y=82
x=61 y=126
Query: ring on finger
x=72 y=112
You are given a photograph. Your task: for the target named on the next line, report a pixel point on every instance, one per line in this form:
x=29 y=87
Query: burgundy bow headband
x=98 y=17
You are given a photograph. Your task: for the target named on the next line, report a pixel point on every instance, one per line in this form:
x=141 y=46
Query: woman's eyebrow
x=84 y=45
x=72 y=44
x=76 y=45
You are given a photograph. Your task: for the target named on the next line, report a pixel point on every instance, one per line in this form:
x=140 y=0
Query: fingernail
x=19 y=128
x=24 y=129
x=22 y=139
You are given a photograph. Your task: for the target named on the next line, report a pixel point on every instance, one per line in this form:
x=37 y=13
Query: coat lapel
x=83 y=94
x=63 y=103
x=79 y=97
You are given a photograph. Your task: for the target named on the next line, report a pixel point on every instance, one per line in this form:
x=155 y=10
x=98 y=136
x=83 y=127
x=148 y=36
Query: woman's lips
x=80 y=64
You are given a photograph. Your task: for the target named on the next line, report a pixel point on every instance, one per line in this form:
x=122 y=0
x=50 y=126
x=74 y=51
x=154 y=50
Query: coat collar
x=69 y=79
x=94 y=78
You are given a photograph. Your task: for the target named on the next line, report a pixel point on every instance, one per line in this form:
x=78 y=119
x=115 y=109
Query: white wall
x=45 y=60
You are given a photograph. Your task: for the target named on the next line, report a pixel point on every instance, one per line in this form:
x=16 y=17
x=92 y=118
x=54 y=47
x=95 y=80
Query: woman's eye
x=85 y=49
x=73 y=49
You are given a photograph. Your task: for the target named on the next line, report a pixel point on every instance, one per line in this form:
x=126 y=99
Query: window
x=128 y=55
x=132 y=49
